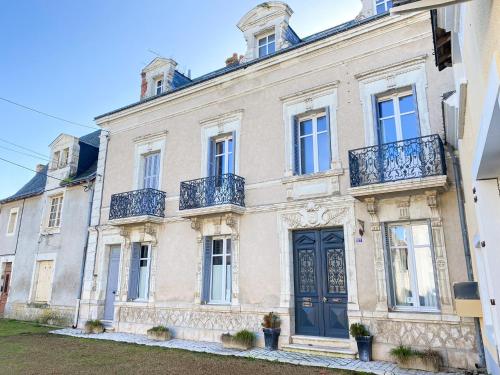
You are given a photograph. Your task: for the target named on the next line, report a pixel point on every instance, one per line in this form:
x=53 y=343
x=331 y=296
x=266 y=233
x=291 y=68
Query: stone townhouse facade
x=43 y=234
x=467 y=43
x=308 y=179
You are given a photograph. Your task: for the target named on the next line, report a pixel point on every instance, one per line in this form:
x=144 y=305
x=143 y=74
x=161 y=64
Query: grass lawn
x=28 y=348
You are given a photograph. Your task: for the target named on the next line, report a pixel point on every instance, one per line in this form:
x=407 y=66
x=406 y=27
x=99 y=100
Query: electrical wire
x=29 y=169
x=24 y=153
x=22 y=147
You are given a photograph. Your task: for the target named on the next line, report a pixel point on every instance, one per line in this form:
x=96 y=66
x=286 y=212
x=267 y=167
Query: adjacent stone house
x=43 y=234
x=309 y=179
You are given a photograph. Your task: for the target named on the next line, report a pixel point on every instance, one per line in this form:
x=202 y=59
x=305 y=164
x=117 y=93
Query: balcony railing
x=145 y=202
x=395 y=161
x=212 y=191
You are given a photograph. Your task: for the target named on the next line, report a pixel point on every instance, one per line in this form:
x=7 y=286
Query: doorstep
x=302 y=359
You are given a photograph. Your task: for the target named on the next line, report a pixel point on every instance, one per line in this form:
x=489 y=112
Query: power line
x=24 y=148
x=24 y=153
x=29 y=169
x=48 y=115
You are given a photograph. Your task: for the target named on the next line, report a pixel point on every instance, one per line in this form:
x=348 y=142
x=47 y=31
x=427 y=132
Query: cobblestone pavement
x=375 y=367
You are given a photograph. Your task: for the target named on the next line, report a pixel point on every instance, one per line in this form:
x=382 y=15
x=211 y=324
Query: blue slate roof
x=86 y=170
x=296 y=43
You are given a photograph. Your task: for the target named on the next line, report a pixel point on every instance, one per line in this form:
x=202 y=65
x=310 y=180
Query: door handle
x=337 y=300
x=114 y=291
x=325 y=299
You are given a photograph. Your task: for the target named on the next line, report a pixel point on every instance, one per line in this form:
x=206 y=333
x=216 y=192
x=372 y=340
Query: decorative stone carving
x=314 y=215
x=404 y=209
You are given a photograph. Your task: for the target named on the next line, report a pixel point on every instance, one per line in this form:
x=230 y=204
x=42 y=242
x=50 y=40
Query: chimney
x=234 y=59
x=39 y=168
x=144 y=85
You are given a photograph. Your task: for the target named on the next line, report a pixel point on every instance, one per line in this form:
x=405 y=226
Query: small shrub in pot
x=159 y=333
x=94 y=326
x=364 y=341
x=426 y=360
x=271 y=326
x=242 y=340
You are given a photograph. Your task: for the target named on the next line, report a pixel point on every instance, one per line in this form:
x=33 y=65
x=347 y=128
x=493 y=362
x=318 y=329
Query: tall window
x=220 y=281
x=151 y=176
x=412 y=266
x=382 y=6
x=140 y=264
x=397 y=117
x=11 y=225
x=64 y=158
x=312 y=144
x=223 y=156
x=55 y=159
x=159 y=86
x=55 y=211
x=267 y=45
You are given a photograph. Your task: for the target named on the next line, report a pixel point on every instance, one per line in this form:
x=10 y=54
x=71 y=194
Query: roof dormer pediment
x=157 y=63
x=62 y=139
x=265 y=13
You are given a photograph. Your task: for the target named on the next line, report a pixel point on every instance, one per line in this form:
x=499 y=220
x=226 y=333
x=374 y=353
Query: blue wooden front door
x=320 y=283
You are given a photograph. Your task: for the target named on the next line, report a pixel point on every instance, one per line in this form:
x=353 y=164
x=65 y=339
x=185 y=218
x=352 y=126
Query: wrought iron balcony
x=396 y=161
x=145 y=202
x=226 y=189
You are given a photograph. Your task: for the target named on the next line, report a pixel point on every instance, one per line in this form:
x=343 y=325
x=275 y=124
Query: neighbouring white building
x=43 y=234
x=309 y=179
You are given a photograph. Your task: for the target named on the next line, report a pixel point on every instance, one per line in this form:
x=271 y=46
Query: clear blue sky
x=78 y=59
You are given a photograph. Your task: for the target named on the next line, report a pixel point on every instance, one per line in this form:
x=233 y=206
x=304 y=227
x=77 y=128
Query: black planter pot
x=364 y=348
x=271 y=336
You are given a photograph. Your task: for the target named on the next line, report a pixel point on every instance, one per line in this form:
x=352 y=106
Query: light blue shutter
x=328 y=126
x=376 y=125
x=210 y=160
x=233 y=135
x=296 y=146
x=207 y=265
x=133 y=280
x=414 y=91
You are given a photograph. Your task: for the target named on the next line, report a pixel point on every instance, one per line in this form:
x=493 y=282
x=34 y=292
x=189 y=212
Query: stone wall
x=42 y=313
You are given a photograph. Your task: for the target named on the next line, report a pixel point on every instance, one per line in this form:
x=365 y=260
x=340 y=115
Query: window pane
x=306 y=155
x=420 y=234
x=380 y=8
x=217 y=247
x=143 y=280
x=230 y=164
x=228 y=281
x=262 y=41
x=322 y=124
x=425 y=277
x=401 y=277
x=398 y=236
x=219 y=148
x=271 y=47
x=389 y=4
x=270 y=38
x=406 y=104
x=306 y=127
x=230 y=145
x=388 y=127
x=386 y=108
x=217 y=275
x=144 y=251
x=219 y=165
x=324 y=151
x=262 y=51
x=409 y=126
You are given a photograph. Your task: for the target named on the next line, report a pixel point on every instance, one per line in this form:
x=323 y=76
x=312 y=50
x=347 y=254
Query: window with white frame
x=159 y=86
x=312 y=143
x=140 y=265
x=64 y=158
x=267 y=45
x=11 y=224
x=55 y=211
x=397 y=117
x=382 y=6
x=151 y=170
x=223 y=158
x=413 y=282
x=217 y=270
x=55 y=159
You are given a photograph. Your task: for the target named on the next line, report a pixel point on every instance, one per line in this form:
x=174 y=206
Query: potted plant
x=271 y=327
x=94 y=326
x=242 y=340
x=363 y=340
x=426 y=360
x=159 y=333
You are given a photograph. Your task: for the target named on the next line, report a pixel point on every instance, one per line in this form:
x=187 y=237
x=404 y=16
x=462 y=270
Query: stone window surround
x=312 y=99
x=146 y=145
x=13 y=210
x=263 y=34
x=216 y=126
x=398 y=76
x=34 y=275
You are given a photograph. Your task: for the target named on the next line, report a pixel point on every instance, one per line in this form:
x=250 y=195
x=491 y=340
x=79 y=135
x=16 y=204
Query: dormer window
x=382 y=6
x=159 y=86
x=55 y=160
x=64 y=158
x=267 y=45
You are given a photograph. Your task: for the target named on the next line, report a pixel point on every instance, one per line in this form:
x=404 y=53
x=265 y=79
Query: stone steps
x=325 y=346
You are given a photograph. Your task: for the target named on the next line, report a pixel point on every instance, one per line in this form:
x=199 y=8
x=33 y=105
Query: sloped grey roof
x=228 y=69
x=91 y=139
x=35 y=186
